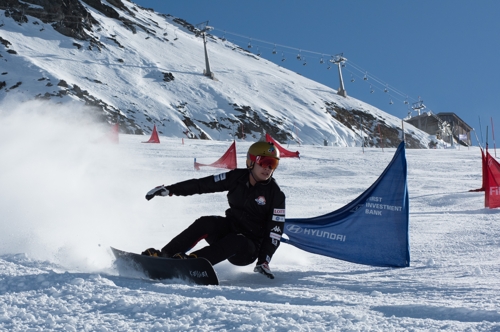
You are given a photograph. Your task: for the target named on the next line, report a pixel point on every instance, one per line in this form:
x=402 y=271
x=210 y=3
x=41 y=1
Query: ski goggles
x=266 y=162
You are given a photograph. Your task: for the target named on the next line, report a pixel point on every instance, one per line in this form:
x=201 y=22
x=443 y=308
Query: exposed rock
x=376 y=133
x=5 y=42
x=18 y=84
x=167 y=77
x=62 y=83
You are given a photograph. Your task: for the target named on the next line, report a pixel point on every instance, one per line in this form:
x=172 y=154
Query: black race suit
x=250 y=230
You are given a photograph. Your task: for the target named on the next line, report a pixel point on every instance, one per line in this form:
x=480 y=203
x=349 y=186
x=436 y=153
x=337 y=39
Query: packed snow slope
x=138 y=68
x=68 y=195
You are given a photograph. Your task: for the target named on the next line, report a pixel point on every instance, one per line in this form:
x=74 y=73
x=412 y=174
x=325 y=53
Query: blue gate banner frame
x=371 y=230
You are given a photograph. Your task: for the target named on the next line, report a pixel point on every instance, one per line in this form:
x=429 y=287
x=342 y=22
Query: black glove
x=264 y=269
x=158 y=191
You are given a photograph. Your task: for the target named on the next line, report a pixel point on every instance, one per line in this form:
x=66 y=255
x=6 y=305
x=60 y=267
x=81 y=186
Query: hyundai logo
x=294 y=229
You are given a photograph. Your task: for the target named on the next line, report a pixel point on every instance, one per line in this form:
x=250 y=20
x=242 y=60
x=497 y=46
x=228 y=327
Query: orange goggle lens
x=266 y=162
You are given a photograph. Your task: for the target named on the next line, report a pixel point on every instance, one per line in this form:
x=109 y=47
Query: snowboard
x=195 y=270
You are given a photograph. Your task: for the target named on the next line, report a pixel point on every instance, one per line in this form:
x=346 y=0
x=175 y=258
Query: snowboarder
x=252 y=226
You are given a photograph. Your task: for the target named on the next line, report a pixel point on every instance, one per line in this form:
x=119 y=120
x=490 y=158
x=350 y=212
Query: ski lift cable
x=389 y=93
x=254 y=45
x=271 y=43
x=352 y=64
x=275 y=49
x=376 y=79
x=372 y=77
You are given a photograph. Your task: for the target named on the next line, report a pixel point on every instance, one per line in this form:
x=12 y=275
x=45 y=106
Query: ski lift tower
x=418 y=106
x=204 y=27
x=340 y=61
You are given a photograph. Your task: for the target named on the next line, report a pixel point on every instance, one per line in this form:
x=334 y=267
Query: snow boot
x=151 y=252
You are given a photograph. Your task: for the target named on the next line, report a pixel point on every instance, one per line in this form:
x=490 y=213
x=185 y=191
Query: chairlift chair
x=352 y=79
x=283 y=56
x=321 y=60
x=365 y=78
x=274 y=49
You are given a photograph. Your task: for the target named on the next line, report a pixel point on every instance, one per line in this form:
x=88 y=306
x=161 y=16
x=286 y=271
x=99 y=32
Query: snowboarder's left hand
x=264 y=269
x=158 y=191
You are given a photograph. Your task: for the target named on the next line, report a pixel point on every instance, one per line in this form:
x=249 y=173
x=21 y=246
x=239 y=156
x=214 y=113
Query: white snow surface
x=127 y=74
x=68 y=195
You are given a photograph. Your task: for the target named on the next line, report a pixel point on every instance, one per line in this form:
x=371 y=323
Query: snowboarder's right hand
x=264 y=270
x=158 y=191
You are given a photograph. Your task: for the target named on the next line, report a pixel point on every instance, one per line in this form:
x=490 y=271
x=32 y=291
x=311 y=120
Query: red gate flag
x=492 y=189
x=284 y=153
x=154 y=136
x=228 y=160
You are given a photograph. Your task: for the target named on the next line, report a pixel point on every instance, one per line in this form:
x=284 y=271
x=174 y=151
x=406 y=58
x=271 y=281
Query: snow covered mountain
x=139 y=68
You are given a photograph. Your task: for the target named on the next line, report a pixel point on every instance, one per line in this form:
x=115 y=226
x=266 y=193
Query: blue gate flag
x=371 y=230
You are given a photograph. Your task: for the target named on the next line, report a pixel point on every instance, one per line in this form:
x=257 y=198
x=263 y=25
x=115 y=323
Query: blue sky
x=445 y=52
